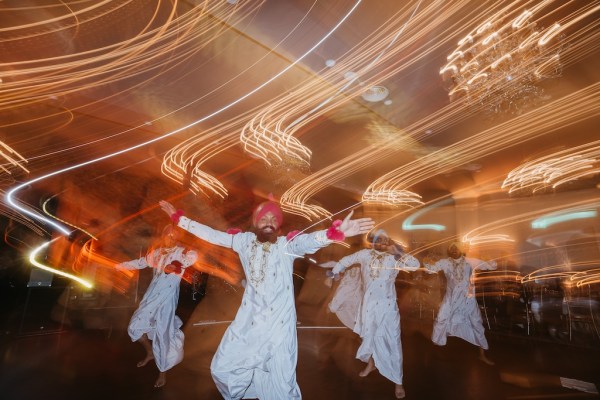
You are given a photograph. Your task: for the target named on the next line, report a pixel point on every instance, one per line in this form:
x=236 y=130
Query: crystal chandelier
x=498 y=67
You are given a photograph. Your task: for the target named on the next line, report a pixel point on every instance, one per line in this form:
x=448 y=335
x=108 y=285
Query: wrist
x=176 y=216
x=334 y=232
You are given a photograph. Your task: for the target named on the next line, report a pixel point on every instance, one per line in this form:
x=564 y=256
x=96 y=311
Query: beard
x=380 y=247
x=266 y=234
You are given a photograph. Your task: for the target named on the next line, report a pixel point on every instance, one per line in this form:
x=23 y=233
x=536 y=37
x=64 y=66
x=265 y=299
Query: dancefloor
x=94 y=358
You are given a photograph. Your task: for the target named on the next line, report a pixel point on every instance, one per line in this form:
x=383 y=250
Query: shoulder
x=472 y=261
x=244 y=236
x=242 y=239
x=444 y=262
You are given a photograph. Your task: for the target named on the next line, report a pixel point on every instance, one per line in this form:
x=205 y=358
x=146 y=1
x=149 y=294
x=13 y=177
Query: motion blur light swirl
x=498 y=67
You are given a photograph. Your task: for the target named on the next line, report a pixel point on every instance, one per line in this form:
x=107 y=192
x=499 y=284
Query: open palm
x=353 y=227
x=167 y=207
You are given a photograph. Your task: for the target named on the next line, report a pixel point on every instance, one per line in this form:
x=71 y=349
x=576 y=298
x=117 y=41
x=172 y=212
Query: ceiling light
x=375 y=93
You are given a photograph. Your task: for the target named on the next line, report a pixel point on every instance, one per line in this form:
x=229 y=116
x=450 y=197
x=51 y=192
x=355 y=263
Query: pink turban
x=266 y=207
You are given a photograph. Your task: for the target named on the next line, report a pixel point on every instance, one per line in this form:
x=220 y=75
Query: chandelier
x=498 y=67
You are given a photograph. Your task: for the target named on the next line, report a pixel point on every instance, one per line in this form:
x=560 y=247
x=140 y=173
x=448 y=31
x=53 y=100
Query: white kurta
x=459 y=313
x=155 y=315
x=258 y=353
x=374 y=302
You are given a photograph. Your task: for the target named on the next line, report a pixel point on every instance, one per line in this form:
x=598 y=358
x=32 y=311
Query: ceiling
x=112 y=106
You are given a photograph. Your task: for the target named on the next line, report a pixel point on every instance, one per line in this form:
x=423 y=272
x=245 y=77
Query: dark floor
x=96 y=360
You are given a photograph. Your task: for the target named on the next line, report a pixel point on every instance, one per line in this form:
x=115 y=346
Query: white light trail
x=11 y=193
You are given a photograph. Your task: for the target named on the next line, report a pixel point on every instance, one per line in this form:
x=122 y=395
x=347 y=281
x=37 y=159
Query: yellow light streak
x=11 y=193
x=45 y=209
x=39 y=265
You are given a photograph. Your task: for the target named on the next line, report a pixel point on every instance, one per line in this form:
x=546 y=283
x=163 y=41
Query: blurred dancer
x=154 y=324
x=459 y=313
x=258 y=353
x=366 y=303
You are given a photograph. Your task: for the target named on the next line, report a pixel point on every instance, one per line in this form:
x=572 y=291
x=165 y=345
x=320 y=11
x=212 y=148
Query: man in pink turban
x=266 y=220
x=257 y=355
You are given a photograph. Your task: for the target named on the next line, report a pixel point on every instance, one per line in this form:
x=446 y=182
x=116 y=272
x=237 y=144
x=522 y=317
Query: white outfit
x=258 y=353
x=155 y=315
x=459 y=313
x=370 y=298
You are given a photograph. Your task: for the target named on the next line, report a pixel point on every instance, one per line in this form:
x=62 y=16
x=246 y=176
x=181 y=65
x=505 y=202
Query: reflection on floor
x=86 y=363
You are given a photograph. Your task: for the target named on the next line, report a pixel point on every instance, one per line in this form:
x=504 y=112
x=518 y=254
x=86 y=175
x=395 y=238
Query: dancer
x=154 y=324
x=258 y=353
x=459 y=313
x=370 y=308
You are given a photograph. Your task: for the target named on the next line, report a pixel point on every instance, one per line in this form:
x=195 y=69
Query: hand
x=395 y=249
x=353 y=227
x=167 y=207
x=169 y=269
x=328 y=282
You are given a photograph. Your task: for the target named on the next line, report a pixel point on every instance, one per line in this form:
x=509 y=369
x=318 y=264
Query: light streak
x=588 y=277
x=269 y=135
x=562 y=112
x=485 y=239
x=177 y=160
x=13 y=158
x=13 y=191
x=505 y=65
x=408 y=225
x=44 y=208
x=39 y=265
x=295 y=199
x=556 y=169
x=549 y=220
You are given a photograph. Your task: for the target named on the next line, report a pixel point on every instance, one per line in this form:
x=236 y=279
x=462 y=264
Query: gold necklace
x=459 y=270
x=376 y=264
x=258 y=277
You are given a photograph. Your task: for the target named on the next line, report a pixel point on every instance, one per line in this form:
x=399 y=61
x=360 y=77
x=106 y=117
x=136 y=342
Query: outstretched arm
x=345 y=262
x=482 y=265
x=433 y=267
x=195 y=228
x=309 y=243
x=140 y=263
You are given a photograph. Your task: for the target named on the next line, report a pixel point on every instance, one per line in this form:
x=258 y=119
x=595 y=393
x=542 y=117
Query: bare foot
x=161 y=380
x=399 y=392
x=146 y=360
x=368 y=369
x=486 y=360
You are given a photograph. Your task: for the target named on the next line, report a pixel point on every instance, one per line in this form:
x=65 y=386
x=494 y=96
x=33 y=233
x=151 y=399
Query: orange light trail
x=387 y=190
x=555 y=169
x=560 y=113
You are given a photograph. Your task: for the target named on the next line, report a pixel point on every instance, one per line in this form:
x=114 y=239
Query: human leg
x=368 y=369
x=161 y=380
x=484 y=358
x=399 y=391
x=147 y=344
